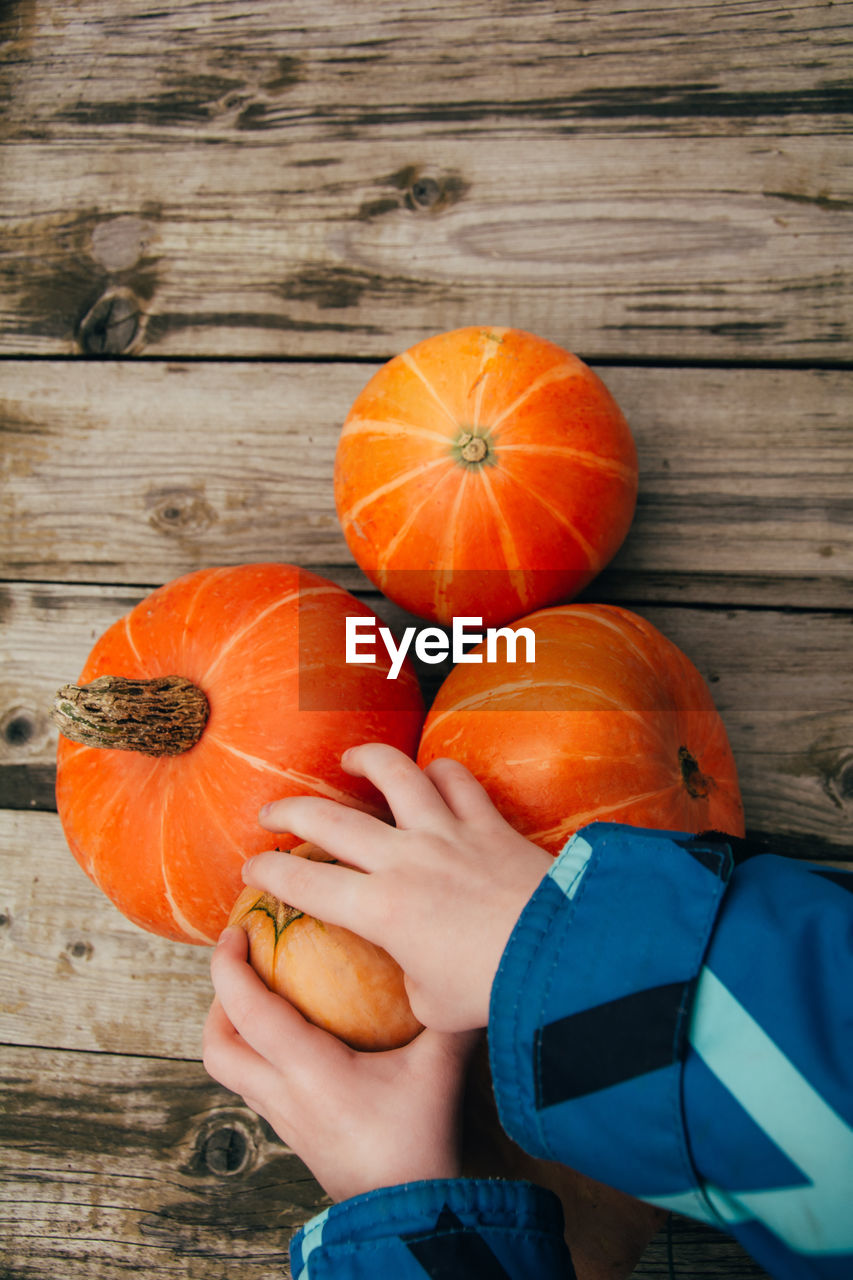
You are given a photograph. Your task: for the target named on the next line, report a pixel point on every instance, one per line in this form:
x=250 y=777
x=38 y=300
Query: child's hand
x=443 y=888
x=358 y=1120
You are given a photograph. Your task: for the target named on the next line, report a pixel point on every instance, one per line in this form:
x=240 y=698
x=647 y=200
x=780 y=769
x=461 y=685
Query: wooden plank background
x=629 y=179
x=216 y=220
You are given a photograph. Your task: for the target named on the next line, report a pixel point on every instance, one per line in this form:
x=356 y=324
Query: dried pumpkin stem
x=696 y=782
x=161 y=717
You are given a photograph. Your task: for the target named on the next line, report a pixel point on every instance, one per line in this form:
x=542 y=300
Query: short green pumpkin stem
x=473 y=450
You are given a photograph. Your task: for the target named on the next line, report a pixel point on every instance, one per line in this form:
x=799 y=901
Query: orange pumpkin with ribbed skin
x=611 y=723
x=484 y=472
x=337 y=980
x=164 y=836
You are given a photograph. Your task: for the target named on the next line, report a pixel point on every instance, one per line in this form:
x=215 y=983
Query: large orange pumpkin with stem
x=218 y=692
x=484 y=472
x=612 y=722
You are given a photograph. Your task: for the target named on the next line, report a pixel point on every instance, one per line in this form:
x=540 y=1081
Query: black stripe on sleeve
x=611 y=1043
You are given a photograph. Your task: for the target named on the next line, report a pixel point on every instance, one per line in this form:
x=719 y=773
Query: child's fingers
x=411 y=796
x=331 y=893
x=225 y=1054
x=355 y=837
x=235 y=1065
x=466 y=798
x=264 y=1021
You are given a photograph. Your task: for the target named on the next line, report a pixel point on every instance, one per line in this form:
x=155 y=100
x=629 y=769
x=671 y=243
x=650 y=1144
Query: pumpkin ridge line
x=444 y=576
x=609 y=466
x=390 y=549
x=412 y=365
x=575 y=821
x=381 y=491
x=593 y=560
x=130 y=640
x=280 y=603
x=509 y=549
x=203 y=584
x=608 y=621
x=469 y=703
x=491 y=695
x=213 y=809
x=390 y=427
x=515 y=761
x=490 y=347
x=556 y=373
x=193 y=934
x=319 y=785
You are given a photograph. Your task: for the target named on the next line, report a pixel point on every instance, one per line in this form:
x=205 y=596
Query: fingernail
x=264 y=811
x=245 y=867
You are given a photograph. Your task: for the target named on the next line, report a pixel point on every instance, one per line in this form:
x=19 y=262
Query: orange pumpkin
x=611 y=723
x=484 y=472
x=336 y=979
x=218 y=692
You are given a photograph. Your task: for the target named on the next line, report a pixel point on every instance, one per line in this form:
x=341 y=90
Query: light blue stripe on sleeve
x=312 y=1239
x=568 y=868
x=814 y=1219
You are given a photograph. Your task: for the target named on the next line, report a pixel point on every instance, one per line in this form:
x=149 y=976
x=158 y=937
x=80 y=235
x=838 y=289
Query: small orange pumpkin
x=336 y=979
x=484 y=472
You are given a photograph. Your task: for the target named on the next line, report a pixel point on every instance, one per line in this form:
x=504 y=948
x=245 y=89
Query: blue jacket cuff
x=591 y=1003
x=427 y=1227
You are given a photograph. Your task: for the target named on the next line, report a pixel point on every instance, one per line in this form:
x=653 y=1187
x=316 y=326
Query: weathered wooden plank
x=76 y=973
x=214 y=62
x=120 y=1163
x=232 y=179
x=136 y=473
x=782 y=682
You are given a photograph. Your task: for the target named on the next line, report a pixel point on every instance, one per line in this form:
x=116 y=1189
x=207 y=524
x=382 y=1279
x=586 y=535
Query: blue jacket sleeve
x=683 y=1030
x=459 y=1229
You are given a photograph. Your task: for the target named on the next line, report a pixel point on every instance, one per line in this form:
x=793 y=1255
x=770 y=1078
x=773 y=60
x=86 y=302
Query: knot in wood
x=180 y=510
x=112 y=325
x=19 y=728
x=844 y=783
x=424 y=193
x=226 y=1150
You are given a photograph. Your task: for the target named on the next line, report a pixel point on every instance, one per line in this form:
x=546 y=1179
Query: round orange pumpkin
x=484 y=472
x=612 y=723
x=218 y=692
x=336 y=979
